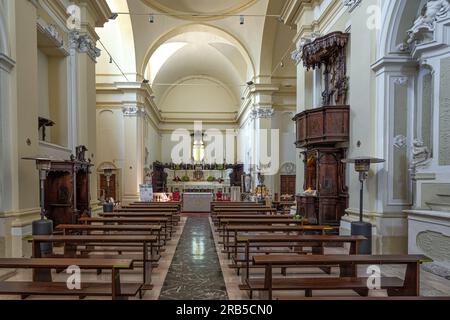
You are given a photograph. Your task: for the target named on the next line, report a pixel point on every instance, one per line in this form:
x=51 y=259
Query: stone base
x=429 y=234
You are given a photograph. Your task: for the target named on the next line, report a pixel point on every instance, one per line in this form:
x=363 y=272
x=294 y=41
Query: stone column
x=133 y=166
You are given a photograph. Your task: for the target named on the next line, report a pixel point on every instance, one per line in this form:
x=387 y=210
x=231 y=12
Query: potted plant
x=185 y=179
x=211 y=179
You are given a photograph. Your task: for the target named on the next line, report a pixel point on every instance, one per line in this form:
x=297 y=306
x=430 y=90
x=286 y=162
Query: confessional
x=67 y=189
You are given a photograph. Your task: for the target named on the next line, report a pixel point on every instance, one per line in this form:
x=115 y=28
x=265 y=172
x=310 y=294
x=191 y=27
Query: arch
x=106 y=165
x=194 y=77
x=395 y=15
x=197 y=27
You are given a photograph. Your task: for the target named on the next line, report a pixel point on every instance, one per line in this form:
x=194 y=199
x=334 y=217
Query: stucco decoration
x=400 y=141
x=288 y=168
x=261 y=113
x=432 y=12
x=421 y=156
x=435 y=245
x=84 y=44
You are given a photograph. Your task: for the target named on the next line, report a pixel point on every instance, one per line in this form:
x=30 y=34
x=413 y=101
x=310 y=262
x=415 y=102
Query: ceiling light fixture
x=114 y=16
x=110 y=59
x=242 y=20
x=151 y=19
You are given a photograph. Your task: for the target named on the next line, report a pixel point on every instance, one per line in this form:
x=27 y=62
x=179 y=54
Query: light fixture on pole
x=362 y=166
x=43 y=226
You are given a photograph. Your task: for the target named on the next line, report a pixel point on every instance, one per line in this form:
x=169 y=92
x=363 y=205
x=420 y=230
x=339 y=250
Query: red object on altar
x=176 y=196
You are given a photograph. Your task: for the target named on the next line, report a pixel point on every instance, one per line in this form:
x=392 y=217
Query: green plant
x=211 y=179
x=185 y=179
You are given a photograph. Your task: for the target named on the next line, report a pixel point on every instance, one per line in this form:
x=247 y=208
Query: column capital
x=262 y=113
x=133 y=111
x=83 y=43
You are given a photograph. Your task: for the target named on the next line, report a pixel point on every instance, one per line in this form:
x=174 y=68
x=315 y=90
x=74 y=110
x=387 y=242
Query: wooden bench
x=348 y=273
x=236 y=229
x=88 y=228
x=87 y=240
x=170 y=222
x=163 y=221
x=293 y=240
x=257 y=221
x=115 y=289
x=175 y=212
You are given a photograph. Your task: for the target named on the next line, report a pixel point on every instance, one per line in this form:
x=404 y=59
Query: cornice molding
x=99 y=9
x=351 y=4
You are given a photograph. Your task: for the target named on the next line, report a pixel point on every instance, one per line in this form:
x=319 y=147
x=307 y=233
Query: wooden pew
x=235 y=230
x=348 y=273
x=162 y=220
x=88 y=228
x=222 y=216
x=169 y=216
x=147 y=243
x=295 y=240
x=258 y=221
x=115 y=289
x=175 y=212
x=233 y=204
x=174 y=205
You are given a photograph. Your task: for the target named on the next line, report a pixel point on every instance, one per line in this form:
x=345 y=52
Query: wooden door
x=287 y=185
x=111 y=191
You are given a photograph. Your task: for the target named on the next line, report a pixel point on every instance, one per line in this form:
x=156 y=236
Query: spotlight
x=282 y=64
x=151 y=19
x=242 y=20
x=110 y=59
x=145 y=81
x=114 y=16
x=250 y=83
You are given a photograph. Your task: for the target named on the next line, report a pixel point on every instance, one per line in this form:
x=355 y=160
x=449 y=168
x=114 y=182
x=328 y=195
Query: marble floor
x=195 y=272
x=193 y=268
x=430 y=284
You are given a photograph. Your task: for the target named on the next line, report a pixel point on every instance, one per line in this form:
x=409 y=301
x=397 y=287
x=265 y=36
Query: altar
x=197 y=201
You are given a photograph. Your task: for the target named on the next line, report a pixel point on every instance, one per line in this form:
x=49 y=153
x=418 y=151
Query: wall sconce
x=362 y=166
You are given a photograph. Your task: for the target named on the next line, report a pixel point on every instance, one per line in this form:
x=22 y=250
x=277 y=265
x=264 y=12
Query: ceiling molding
x=198 y=27
x=198 y=77
x=197 y=16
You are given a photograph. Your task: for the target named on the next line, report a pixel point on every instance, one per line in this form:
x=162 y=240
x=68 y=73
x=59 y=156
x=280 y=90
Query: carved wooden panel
x=326 y=125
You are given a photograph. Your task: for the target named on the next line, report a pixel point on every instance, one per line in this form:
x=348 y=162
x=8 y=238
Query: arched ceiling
x=194 y=54
x=213 y=9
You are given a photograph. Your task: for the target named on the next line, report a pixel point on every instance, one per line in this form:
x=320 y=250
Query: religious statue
x=80 y=153
x=431 y=12
x=260 y=179
x=247 y=183
x=420 y=155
